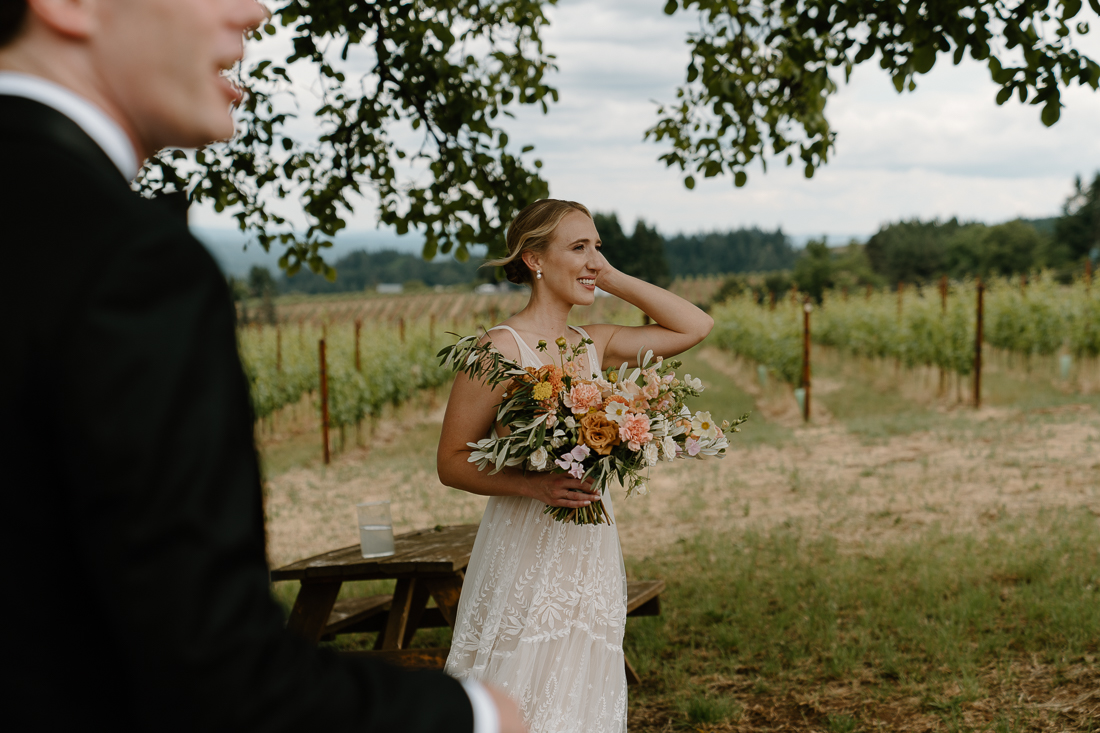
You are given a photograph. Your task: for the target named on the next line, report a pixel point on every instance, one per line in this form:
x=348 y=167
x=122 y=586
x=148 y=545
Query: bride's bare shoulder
x=601 y=333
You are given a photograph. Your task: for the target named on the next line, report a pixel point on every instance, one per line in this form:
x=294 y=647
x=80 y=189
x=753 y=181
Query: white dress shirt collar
x=106 y=133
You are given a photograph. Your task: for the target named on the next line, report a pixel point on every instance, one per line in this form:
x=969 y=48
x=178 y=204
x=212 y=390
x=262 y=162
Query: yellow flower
x=542 y=391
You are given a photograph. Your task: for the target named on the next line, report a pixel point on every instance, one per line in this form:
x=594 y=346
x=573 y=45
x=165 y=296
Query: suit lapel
x=22 y=119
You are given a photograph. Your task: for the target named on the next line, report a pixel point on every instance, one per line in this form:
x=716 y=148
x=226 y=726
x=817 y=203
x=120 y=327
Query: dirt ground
x=976 y=467
x=1027 y=696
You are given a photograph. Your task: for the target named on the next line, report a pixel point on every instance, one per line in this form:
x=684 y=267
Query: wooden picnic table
x=428 y=563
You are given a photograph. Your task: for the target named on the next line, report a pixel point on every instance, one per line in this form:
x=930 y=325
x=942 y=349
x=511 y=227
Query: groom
x=136 y=587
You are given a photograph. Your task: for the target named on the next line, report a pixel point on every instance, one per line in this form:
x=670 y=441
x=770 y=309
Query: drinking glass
x=375 y=528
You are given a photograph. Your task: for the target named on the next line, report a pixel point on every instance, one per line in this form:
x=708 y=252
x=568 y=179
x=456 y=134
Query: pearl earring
x=538 y=274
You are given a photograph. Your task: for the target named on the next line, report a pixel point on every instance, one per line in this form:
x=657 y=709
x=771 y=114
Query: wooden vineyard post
x=897 y=359
x=869 y=289
x=772 y=306
x=278 y=348
x=431 y=332
x=806 y=308
x=1023 y=284
x=401 y=328
x=943 y=314
x=844 y=290
x=978 y=347
x=358 y=368
x=358 y=363
x=324 y=401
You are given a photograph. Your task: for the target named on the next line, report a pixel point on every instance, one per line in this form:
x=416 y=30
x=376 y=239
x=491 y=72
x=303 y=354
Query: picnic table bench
x=428 y=563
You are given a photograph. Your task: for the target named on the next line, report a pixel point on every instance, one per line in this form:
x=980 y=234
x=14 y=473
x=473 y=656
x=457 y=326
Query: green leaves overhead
x=759 y=75
x=408 y=95
x=445 y=69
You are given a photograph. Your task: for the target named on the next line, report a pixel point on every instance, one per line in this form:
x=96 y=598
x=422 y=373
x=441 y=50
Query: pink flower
x=635 y=431
x=580 y=452
x=576 y=471
x=693 y=447
x=583 y=397
x=651 y=390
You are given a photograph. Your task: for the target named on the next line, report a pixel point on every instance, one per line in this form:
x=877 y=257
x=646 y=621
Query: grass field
x=902 y=563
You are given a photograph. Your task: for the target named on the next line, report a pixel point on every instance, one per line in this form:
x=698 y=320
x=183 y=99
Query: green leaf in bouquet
x=539 y=435
x=500 y=456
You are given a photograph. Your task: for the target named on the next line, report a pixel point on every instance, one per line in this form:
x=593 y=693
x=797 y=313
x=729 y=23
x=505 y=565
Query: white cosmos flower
x=641 y=488
x=695 y=384
x=650 y=453
x=539 y=459
x=668 y=448
x=703 y=426
x=616 y=411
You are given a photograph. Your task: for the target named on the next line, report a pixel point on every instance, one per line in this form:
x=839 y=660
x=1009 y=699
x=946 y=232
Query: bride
x=543 y=605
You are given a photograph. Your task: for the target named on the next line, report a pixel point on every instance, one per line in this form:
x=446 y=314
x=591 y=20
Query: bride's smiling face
x=571 y=261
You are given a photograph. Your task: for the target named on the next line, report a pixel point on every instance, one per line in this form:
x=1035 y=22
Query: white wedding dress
x=543 y=611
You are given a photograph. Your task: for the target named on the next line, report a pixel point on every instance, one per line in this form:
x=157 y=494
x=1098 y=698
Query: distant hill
x=1044 y=226
x=238 y=252
x=743 y=250
x=366 y=270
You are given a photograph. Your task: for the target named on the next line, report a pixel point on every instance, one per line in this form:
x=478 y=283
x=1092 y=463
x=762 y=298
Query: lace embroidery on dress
x=543 y=611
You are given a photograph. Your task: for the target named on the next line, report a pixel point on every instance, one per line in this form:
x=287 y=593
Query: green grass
x=294 y=451
x=797 y=614
x=725 y=401
x=1016 y=390
x=878 y=415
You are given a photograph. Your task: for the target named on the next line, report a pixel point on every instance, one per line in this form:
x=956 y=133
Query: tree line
x=911 y=252
x=916 y=252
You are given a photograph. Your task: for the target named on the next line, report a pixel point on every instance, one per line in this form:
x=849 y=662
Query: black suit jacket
x=136 y=589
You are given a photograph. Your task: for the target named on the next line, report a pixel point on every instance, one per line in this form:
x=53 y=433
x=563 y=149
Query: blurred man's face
x=161 y=62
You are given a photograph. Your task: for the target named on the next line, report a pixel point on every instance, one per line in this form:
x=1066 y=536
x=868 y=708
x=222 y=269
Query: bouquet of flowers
x=616 y=426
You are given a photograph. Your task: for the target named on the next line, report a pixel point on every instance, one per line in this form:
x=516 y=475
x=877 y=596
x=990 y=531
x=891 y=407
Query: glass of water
x=375 y=528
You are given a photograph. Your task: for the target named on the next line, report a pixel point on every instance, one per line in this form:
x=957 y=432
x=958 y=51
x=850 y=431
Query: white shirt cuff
x=486 y=717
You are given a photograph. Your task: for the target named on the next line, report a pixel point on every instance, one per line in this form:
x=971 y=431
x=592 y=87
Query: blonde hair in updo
x=531 y=231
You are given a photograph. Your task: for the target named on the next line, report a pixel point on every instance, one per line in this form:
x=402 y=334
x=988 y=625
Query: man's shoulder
x=77 y=230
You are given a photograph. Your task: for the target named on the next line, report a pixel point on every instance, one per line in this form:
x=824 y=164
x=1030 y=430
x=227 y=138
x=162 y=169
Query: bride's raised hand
x=559 y=489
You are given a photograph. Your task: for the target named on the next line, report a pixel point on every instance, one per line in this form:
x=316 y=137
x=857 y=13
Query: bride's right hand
x=559 y=489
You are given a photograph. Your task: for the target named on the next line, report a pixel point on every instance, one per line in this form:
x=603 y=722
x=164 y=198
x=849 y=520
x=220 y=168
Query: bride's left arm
x=677 y=324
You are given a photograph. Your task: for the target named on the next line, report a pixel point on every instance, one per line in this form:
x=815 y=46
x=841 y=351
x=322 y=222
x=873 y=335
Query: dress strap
x=593 y=363
x=528 y=354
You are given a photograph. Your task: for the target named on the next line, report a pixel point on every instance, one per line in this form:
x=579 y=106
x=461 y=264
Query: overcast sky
x=944 y=150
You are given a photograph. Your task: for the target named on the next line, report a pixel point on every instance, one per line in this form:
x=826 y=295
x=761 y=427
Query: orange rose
x=599 y=433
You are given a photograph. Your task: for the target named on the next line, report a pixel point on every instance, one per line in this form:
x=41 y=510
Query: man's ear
x=71 y=18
